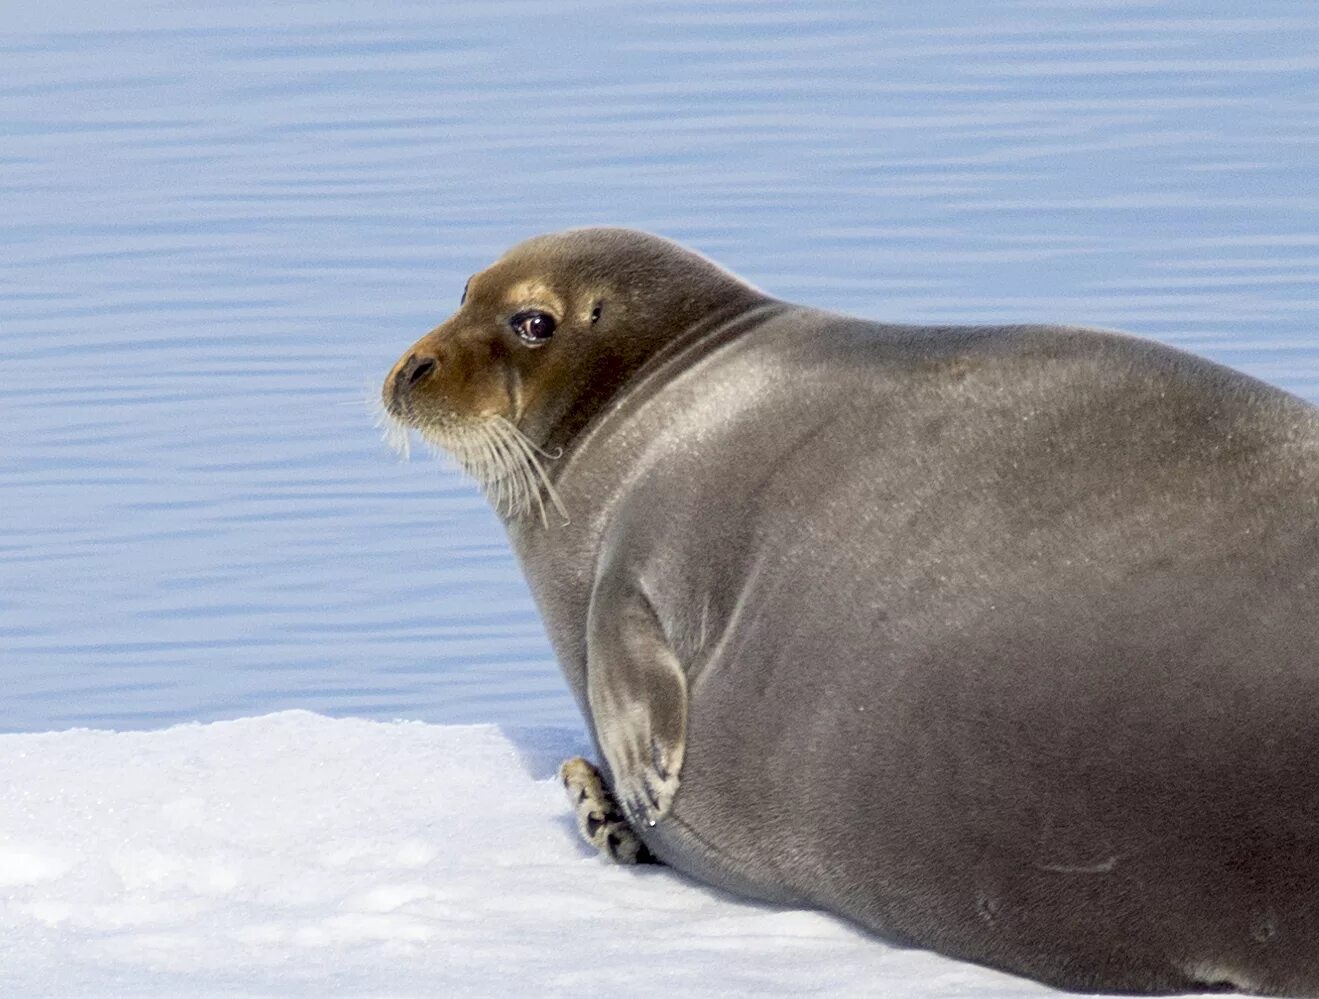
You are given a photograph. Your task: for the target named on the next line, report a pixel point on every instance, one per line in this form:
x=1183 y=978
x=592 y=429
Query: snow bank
x=296 y=855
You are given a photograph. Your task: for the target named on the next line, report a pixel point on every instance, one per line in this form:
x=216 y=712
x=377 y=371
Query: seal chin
x=492 y=450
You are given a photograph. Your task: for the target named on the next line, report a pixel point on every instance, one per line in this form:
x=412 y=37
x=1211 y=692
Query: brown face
x=542 y=339
x=510 y=343
x=477 y=383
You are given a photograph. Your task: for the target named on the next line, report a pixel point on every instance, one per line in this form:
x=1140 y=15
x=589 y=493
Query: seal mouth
x=490 y=449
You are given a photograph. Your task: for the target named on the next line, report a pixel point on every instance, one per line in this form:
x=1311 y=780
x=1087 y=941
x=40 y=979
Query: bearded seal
x=999 y=641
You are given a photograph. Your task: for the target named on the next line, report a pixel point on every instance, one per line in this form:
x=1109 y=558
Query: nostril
x=415 y=370
x=423 y=367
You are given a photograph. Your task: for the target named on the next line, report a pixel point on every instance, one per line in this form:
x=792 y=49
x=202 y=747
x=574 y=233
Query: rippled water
x=220 y=224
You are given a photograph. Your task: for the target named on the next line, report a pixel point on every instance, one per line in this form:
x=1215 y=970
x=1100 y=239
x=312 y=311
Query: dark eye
x=533 y=327
x=465 y=287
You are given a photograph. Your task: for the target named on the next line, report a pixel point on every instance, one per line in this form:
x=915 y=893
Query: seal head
x=542 y=341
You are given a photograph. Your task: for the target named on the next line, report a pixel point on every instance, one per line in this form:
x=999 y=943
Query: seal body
x=1001 y=641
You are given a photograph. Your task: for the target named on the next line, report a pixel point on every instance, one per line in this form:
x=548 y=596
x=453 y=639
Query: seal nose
x=414 y=371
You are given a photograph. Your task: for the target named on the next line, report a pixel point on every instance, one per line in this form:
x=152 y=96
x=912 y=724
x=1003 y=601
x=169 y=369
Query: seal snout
x=411 y=372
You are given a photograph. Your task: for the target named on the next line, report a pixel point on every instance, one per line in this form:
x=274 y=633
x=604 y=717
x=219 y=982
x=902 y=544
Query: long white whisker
x=528 y=489
x=486 y=467
x=534 y=474
x=393 y=430
x=530 y=451
x=493 y=451
x=553 y=494
x=503 y=474
x=395 y=434
x=506 y=498
x=530 y=485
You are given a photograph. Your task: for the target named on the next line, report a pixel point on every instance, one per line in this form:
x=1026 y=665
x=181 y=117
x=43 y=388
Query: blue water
x=220 y=224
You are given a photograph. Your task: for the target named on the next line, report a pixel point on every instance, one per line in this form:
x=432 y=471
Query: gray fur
x=1001 y=641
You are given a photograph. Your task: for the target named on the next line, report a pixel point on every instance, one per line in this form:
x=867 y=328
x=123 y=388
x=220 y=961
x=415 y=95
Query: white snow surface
x=297 y=855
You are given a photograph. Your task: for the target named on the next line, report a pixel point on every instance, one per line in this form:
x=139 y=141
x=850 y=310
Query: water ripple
x=223 y=222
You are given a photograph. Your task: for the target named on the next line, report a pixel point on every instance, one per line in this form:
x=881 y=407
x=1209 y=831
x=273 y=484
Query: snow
x=296 y=855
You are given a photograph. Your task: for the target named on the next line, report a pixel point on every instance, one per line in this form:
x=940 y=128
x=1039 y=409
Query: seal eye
x=533 y=327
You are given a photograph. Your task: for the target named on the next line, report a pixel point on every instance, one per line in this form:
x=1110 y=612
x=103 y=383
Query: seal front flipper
x=599 y=819
x=638 y=696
